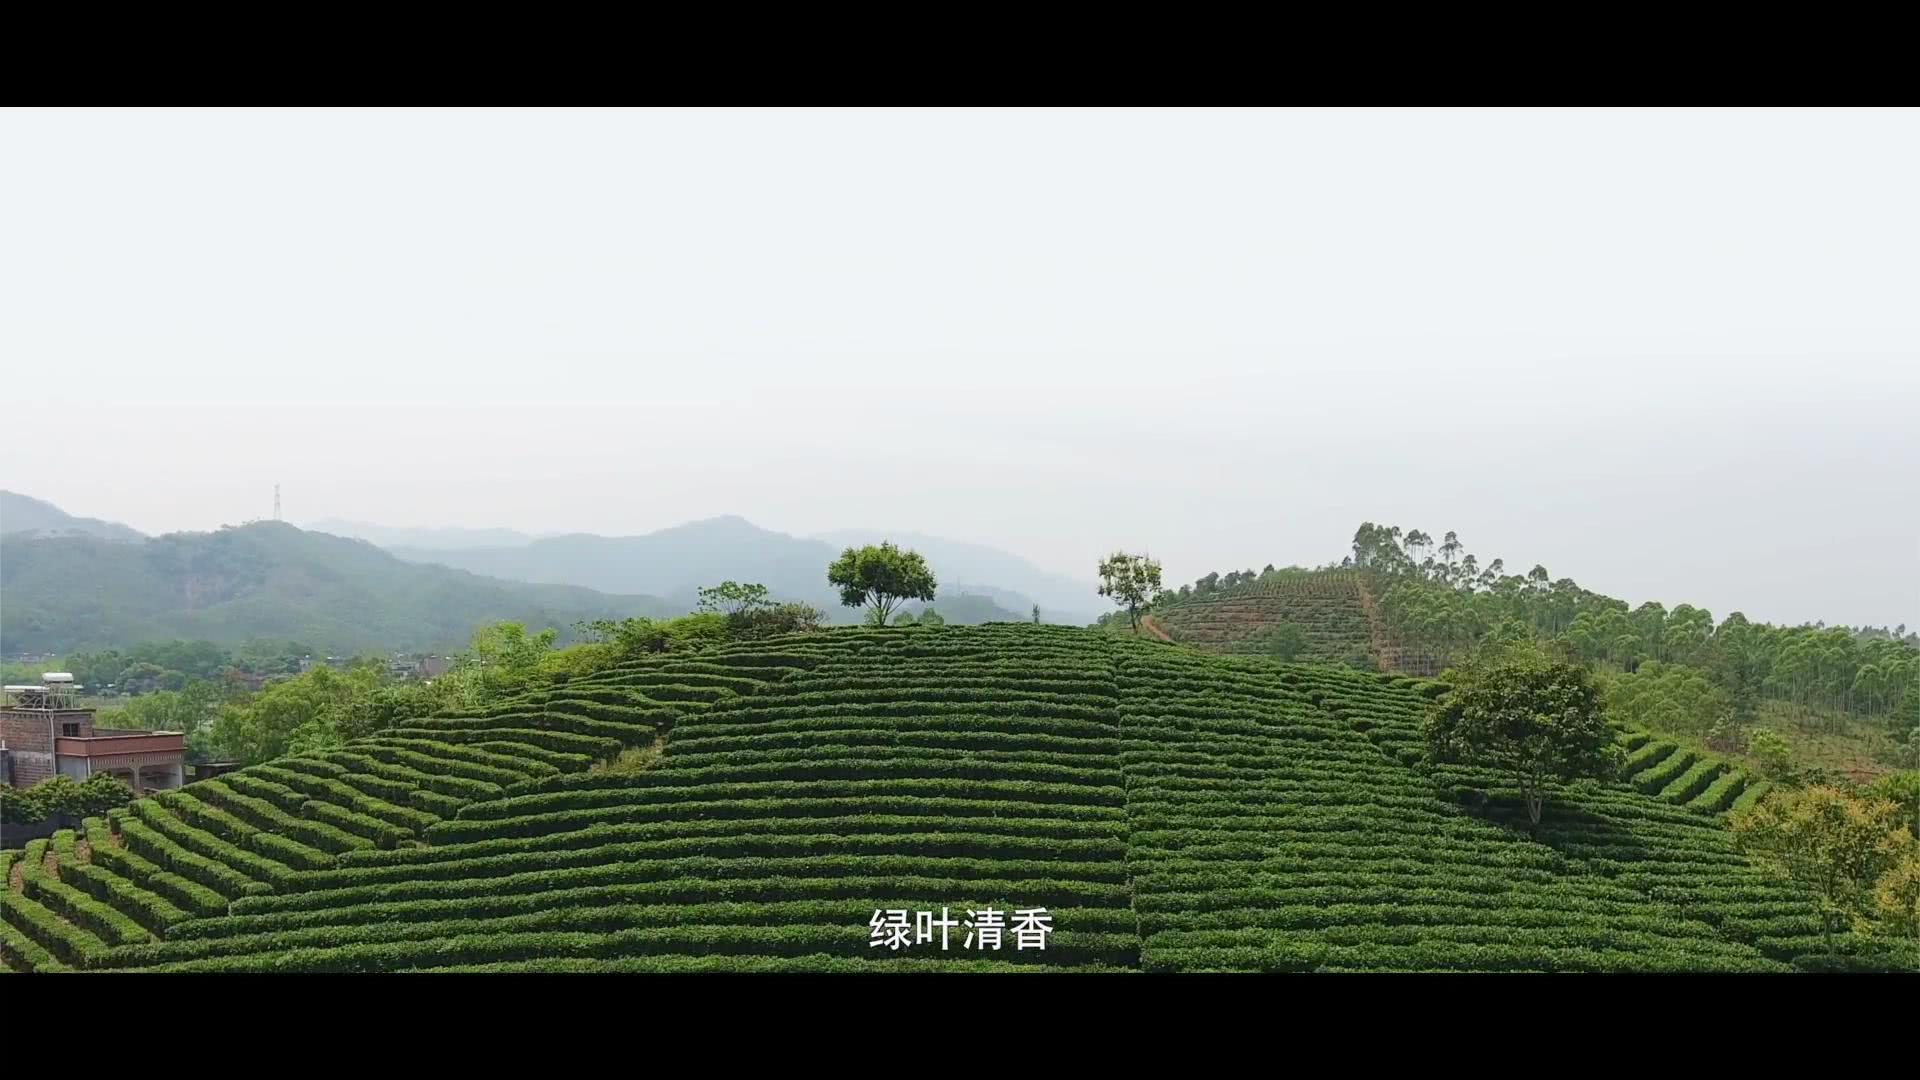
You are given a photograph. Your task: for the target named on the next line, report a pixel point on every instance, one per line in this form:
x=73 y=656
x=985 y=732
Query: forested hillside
x=1678 y=669
x=263 y=580
x=1822 y=698
x=1162 y=809
x=75 y=584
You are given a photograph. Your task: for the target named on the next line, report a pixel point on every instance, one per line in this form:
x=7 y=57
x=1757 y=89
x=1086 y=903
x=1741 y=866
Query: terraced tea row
x=972 y=772
x=1685 y=777
x=1326 y=607
x=1635 y=834
x=1168 y=810
x=269 y=830
x=1274 y=836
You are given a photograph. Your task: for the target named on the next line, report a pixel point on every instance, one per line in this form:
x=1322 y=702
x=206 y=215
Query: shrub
x=1774 y=751
x=778 y=619
x=62 y=795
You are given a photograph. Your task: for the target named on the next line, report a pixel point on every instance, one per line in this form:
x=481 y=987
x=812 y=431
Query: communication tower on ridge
x=276 y=502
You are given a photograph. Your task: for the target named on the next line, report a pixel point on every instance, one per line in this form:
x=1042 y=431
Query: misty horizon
x=1671 y=354
x=1173 y=580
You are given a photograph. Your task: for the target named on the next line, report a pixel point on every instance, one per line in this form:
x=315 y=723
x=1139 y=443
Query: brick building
x=43 y=731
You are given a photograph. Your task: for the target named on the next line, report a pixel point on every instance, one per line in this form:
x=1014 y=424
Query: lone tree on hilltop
x=1532 y=716
x=733 y=598
x=1133 y=581
x=880 y=577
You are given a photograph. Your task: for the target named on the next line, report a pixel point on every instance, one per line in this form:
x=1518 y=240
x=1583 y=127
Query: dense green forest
x=1676 y=669
x=1441 y=598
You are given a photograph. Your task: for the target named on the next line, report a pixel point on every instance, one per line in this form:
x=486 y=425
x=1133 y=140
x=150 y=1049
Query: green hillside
x=263 y=580
x=1171 y=810
x=1845 y=700
x=1327 y=606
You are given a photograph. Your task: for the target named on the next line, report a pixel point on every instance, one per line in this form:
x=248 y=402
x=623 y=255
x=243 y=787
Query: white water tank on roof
x=56 y=676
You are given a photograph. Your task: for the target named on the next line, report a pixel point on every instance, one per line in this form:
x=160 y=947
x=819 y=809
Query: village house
x=44 y=731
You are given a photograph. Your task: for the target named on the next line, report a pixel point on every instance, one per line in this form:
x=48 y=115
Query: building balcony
x=143 y=760
x=118 y=743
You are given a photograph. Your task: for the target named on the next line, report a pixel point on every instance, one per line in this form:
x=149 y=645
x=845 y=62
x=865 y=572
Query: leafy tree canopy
x=298 y=713
x=733 y=598
x=62 y=795
x=189 y=710
x=1529 y=714
x=1132 y=582
x=1774 y=751
x=1902 y=789
x=1841 y=846
x=1283 y=642
x=880 y=577
x=1671 y=698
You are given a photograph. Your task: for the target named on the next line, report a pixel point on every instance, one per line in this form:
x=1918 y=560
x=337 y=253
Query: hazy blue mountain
x=447 y=538
x=350 y=584
x=26 y=514
x=265 y=580
x=671 y=562
x=1020 y=604
x=675 y=562
x=963 y=607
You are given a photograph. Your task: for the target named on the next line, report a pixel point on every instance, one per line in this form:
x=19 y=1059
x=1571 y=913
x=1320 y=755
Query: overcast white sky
x=1674 y=355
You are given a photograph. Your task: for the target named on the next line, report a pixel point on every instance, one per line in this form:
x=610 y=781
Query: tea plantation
x=1170 y=811
x=1328 y=607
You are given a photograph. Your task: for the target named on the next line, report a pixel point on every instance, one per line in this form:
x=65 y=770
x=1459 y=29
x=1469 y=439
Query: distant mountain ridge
x=444 y=538
x=675 y=562
x=21 y=514
x=72 y=583
x=265 y=580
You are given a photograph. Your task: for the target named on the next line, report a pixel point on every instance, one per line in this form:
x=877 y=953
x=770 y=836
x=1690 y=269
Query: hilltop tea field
x=1326 y=606
x=1170 y=810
